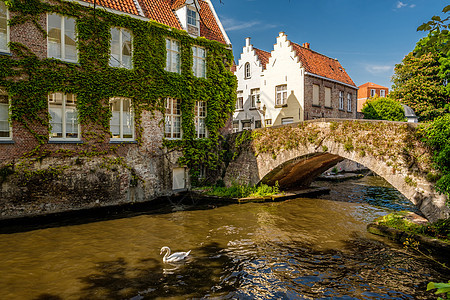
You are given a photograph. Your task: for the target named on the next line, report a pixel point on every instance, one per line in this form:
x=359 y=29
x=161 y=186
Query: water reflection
x=297 y=249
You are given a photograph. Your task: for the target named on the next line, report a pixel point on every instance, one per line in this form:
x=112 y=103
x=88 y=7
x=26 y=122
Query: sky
x=368 y=37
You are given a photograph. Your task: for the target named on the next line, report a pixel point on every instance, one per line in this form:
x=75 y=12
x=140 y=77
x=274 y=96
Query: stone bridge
x=295 y=154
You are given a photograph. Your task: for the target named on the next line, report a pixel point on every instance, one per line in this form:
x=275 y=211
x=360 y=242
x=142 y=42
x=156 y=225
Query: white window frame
x=189 y=18
x=268 y=122
x=349 y=102
x=63 y=39
x=382 y=93
x=171 y=117
x=7 y=106
x=121 y=43
x=200 y=110
x=6 y=50
x=341 y=100
x=196 y=66
x=287 y=120
x=373 y=92
x=235 y=128
x=240 y=100
x=316 y=91
x=281 y=95
x=247 y=71
x=245 y=123
x=254 y=97
x=171 y=54
x=63 y=119
x=122 y=120
x=328 y=97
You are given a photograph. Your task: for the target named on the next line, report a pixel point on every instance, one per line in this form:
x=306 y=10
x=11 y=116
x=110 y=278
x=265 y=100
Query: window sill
x=72 y=62
x=349 y=111
x=239 y=109
x=52 y=141
x=281 y=105
x=173 y=139
x=340 y=109
x=316 y=105
x=5 y=141
x=5 y=53
x=122 y=142
x=329 y=107
x=253 y=108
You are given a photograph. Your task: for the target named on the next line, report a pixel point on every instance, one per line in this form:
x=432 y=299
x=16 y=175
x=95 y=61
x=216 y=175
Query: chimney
x=306 y=45
x=247 y=42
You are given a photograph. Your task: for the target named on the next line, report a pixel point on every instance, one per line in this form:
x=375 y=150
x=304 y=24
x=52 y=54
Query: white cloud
x=231 y=24
x=379 y=69
x=401 y=4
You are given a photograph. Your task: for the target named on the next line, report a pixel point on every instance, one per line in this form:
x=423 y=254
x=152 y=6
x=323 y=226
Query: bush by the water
x=241 y=191
x=383 y=108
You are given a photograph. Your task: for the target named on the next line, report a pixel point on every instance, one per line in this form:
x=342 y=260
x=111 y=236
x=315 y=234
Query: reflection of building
x=292 y=83
x=369 y=90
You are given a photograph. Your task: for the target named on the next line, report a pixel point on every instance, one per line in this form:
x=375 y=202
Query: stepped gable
x=263 y=56
x=322 y=65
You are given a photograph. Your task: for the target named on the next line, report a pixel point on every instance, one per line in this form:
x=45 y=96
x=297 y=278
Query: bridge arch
x=296 y=154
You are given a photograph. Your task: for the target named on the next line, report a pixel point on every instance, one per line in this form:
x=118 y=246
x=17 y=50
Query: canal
x=297 y=249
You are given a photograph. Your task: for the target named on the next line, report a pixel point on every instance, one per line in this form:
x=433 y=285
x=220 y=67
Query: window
x=254 y=97
x=315 y=95
x=382 y=93
x=328 y=97
x=173 y=119
x=247 y=71
x=240 y=100
x=281 y=94
x=4 y=28
x=341 y=100
x=349 y=102
x=61 y=41
x=372 y=93
x=192 y=17
x=63 y=117
x=268 y=122
x=199 y=62
x=258 y=124
x=5 y=128
x=121 y=48
x=246 y=125
x=173 y=56
x=288 y=120
x=235 y=126
x=122 y=120
x=199 y=119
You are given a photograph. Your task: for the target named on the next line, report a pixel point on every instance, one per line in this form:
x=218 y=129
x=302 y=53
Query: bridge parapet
x=295 y=154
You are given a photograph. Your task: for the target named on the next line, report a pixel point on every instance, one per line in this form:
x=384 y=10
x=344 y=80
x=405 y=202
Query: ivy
x=29 y=79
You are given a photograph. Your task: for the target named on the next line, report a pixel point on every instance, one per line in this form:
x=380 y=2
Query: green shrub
x=382 y=108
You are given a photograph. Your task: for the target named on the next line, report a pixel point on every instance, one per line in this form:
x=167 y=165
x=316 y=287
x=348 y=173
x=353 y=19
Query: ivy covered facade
x=97 y=100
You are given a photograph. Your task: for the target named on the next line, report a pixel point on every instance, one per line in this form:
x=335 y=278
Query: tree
x=383 y=108
x=418 y=83
x=439 y=33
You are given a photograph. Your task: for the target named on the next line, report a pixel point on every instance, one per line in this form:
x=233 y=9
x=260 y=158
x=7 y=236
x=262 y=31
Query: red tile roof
x=208 y=25
x=322 y=65
x=371 y=84
x=127 y=6
x=263 y=56
x=161 y=11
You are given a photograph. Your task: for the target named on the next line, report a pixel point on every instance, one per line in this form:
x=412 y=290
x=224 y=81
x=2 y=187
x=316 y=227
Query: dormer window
x=192 y=17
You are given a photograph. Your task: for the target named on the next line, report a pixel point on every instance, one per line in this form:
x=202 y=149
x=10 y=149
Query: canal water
x=296 y=249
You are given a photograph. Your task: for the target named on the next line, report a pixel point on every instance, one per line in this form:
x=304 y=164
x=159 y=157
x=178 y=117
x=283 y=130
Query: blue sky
x=368 y=37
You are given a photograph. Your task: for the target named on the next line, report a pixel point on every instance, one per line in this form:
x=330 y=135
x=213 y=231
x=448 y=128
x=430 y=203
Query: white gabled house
x=291 y=84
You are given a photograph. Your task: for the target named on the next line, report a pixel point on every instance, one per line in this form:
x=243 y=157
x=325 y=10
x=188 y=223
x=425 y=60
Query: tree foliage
x=383 y=108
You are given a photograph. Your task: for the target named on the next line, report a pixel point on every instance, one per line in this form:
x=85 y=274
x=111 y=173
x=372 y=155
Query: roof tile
x=263 y=56
x=208 y=25
x=322 y=65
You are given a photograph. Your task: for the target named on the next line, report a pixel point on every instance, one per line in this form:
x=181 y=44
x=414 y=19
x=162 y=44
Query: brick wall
x=320 y=111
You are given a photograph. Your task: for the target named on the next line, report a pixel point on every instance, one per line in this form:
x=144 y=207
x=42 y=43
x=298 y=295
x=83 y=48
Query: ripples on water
x=297 y=249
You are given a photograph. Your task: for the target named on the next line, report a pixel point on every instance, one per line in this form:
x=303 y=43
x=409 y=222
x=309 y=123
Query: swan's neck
x=167 y=253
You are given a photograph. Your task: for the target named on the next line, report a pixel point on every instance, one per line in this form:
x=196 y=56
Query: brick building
x=290 y=84
x=90 y=94
x=369 y=90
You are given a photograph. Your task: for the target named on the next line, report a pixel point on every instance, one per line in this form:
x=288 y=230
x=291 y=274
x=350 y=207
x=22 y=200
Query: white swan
x=177 y=256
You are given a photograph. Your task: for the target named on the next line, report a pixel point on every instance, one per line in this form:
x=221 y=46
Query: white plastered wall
x=284 y=67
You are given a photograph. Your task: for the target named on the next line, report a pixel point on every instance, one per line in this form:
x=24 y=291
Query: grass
x=241 y=191
x=439 y=229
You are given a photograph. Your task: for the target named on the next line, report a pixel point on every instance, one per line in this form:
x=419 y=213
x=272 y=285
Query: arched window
x=247 y=70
